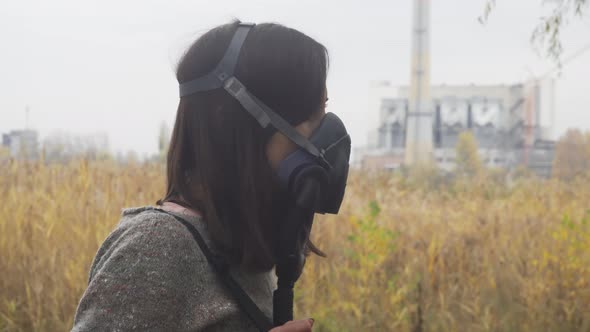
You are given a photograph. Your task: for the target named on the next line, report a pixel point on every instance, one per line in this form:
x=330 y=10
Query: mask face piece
x=331 y=168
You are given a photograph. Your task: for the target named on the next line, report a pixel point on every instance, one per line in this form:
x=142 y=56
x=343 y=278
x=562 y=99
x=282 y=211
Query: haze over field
x=107 y=66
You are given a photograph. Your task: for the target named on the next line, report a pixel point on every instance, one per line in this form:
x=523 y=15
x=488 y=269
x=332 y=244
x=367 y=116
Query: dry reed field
x=405 y=254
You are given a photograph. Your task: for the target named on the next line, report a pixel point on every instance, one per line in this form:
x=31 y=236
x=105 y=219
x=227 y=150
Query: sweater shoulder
x=149 y=274
x=149 y=231
x=149 y=219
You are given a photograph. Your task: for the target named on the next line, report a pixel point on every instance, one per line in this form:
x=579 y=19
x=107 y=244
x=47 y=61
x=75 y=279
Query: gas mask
x=314 y=175
x=324 y=156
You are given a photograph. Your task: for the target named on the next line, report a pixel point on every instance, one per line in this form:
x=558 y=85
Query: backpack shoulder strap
x=222 y=269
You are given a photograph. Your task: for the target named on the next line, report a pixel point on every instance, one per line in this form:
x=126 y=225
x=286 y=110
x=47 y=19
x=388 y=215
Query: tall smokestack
x=420 y=113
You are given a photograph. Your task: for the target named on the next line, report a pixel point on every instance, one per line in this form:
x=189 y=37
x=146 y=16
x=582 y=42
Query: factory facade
x=22 y=143
x=512 y=124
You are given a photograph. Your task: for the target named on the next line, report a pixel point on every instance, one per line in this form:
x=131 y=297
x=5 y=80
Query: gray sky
x=108 y=66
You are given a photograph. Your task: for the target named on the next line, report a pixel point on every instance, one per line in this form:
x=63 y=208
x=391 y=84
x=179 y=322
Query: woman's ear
x=277 y=148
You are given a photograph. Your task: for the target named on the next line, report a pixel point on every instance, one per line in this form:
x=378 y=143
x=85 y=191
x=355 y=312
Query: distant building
x=421 y=123
x=22 y=143
x=512 y=124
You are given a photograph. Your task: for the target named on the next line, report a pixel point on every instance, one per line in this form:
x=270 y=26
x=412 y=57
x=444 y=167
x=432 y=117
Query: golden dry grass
x=403 y=256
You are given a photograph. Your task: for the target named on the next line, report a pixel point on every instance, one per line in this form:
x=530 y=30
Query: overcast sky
x=108 y=66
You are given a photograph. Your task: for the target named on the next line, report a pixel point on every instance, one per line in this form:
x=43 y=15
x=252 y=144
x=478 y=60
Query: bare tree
x=163 y=141
x=546 y=36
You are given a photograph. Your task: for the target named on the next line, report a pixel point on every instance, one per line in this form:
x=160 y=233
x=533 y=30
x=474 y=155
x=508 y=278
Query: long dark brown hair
x=217 y=162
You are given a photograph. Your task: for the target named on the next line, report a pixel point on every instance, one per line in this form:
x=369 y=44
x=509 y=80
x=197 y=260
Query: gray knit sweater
x=150 y=275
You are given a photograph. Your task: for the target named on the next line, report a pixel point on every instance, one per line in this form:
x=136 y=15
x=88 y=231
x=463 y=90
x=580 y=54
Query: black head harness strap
x=224 y=69
x=223 y=76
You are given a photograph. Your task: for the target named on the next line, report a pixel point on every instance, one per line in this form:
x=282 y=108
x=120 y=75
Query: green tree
x=572 y=155
x=546 y=36
x=468 y=163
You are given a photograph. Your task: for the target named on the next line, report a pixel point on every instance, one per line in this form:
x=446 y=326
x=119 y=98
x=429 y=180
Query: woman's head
x=220 y=160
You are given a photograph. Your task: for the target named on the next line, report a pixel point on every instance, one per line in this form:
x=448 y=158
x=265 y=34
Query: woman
x=150 y=274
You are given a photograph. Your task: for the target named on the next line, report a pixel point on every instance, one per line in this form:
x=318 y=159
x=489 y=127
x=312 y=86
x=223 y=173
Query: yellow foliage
x=52 y=220
x=461 y=258
x=468 y=163
x=572 y=155
x=401 y=257
x=4 y=152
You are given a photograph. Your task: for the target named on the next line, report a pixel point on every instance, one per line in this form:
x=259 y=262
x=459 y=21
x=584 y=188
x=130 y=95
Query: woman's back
x=150 y=274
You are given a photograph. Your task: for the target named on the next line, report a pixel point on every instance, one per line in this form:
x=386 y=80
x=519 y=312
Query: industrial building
x=421 y=122
x=22 y=143
x=511 y=123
